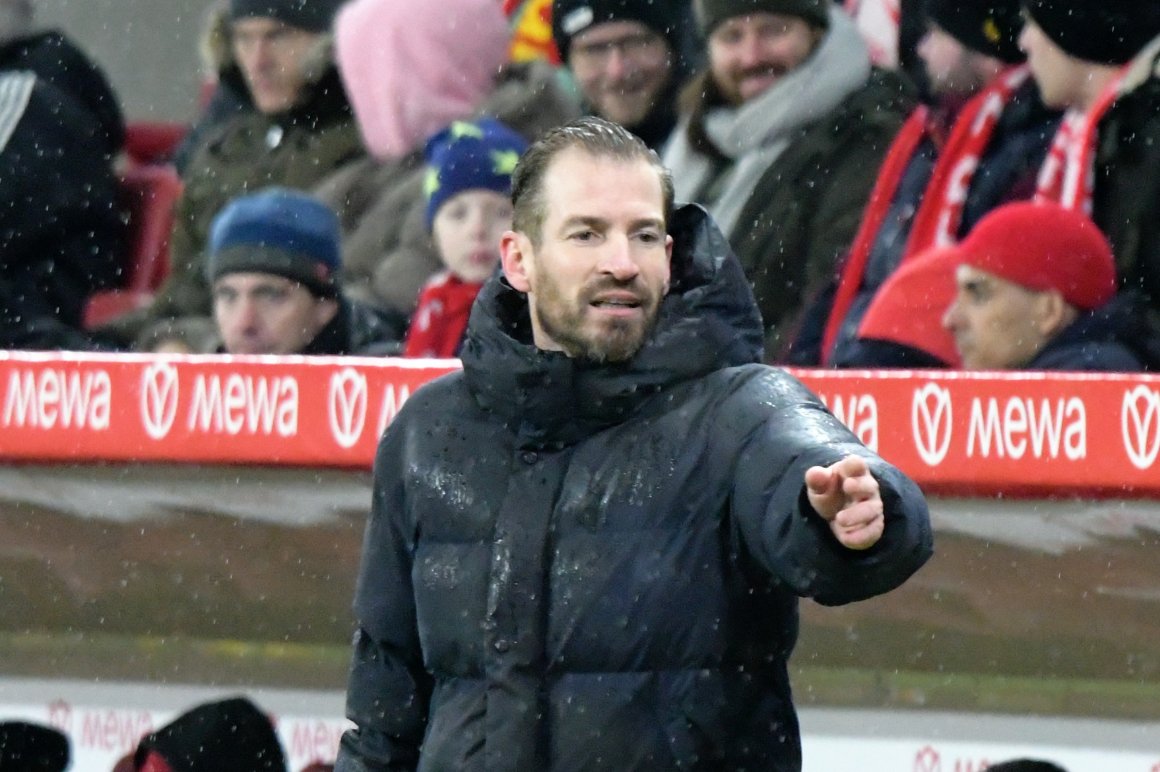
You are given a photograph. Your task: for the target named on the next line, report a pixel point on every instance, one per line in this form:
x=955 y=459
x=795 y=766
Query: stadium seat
x=148 y=193
x=153 y=142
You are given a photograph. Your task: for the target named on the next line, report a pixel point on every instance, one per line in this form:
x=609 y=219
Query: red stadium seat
x=153 y=142
x=148 y=194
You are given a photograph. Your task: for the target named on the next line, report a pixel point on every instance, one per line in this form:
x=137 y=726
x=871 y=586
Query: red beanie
x=1043 y=246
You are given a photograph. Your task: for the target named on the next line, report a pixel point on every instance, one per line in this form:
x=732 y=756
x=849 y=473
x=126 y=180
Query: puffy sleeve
x=789 y=431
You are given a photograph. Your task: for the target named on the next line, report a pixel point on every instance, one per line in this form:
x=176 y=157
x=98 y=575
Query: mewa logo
x=1140 y=424
x=930 y=420
x=159 y=392
x=347 y=406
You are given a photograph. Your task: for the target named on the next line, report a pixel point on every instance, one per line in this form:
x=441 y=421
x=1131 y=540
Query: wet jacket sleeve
x=792 y=432
x=389 y=688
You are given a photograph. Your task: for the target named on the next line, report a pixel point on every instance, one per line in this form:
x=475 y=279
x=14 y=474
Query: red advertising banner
x=1030 y=434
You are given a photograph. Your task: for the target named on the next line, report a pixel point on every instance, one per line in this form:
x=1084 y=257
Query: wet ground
x=242 y=576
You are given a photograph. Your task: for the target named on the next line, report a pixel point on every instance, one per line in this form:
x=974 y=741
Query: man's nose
x=951 y=317
x=751 y=53
x=616 y=67
x=617 y=260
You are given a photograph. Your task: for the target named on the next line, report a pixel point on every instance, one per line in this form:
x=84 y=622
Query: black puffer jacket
x=581 y=567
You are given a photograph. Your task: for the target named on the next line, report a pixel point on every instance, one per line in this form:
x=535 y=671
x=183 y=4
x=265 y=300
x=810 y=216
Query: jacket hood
x=707 y=322
x=54 y=58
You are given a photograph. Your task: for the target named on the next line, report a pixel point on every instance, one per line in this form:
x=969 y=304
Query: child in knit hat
x=469 y=167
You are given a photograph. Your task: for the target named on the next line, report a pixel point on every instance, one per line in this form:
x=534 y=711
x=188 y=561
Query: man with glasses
x=625 y=57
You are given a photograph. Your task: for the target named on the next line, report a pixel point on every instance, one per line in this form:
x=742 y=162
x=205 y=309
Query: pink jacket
x=412 y=68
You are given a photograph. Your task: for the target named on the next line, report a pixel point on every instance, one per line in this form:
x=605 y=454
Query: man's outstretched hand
x=846 y=495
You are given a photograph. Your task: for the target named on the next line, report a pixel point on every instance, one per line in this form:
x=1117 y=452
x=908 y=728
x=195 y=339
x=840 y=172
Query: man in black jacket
x=60 y=227
x=585 y=550
x=273 y=266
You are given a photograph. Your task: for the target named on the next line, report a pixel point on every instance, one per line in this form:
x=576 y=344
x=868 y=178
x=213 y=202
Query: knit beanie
x=26 y=747
x=229 y=735
x=990 y=27
x=711 y=13
x=470 y=156
x=1099 y=31
x=571 y=17
x=280 y=231
x=310 y=15
x=410 y=68
x=1043 y=246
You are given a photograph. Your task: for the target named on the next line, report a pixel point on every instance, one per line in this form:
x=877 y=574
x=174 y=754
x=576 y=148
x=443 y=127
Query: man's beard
x=616 y=341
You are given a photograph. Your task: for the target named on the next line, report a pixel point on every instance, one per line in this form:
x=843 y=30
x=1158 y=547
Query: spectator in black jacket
x=60 y=229
x=273 y=267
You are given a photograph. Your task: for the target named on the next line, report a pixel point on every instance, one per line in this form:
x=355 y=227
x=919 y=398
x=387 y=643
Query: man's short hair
x=593 y=135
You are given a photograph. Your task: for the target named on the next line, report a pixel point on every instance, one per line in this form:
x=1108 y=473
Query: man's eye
x=583 y=235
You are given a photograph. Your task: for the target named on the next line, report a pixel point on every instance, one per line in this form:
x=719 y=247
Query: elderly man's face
x=997 y=324
x=272 y=56
x=749 y=54
x=596 y=274
x=621 y=67
x=262 y=313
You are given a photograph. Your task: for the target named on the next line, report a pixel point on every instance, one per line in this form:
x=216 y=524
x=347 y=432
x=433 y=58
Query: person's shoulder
x=885 y=97
x=757 y=387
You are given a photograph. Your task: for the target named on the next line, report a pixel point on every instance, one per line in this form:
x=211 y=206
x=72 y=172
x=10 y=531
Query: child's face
x=467 y=230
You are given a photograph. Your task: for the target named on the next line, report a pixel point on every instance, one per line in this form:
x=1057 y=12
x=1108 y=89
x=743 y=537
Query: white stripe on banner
x=15 y=91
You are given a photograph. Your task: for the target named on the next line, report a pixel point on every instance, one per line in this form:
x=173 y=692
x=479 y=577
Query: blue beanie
x=470 y=155
x=279 y=231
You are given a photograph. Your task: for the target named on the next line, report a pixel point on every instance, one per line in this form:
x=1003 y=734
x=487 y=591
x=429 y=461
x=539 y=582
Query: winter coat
x=357 y=329
x=1006 y=172
x=572 y=566
x=1126 y=197
x=803 y=211
x=1113 y=338
x=60 y=229
x=295 y=149
x=387 y=252
x=56 y=59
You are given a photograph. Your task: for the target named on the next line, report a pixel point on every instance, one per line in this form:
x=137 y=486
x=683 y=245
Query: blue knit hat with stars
x=470 y=155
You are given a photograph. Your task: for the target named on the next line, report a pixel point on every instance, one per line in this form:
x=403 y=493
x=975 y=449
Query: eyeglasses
x=639 y=46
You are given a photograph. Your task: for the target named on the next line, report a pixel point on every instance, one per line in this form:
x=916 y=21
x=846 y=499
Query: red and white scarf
x=440 y=317
x=940 y=212
x=1067 y=176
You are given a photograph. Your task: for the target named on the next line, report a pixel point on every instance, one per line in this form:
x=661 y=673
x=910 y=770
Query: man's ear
x=515 y=250
x=1053 y=313
x=669 y=256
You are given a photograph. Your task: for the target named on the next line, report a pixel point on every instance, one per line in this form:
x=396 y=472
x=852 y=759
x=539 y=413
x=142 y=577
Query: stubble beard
x=618 y=341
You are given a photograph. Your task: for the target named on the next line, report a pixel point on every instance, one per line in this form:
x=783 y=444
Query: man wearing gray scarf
x=781 y=139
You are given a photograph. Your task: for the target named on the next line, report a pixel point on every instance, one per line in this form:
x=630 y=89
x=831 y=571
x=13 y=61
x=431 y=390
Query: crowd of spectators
x=830 y=158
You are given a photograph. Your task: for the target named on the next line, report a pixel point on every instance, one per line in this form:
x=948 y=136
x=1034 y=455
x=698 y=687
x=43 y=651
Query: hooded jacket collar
x=707 y=322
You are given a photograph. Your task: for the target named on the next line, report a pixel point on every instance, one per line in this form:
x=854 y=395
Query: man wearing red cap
x=1035 y=288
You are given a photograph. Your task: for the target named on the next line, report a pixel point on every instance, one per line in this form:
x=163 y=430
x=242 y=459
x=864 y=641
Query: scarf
x=754 y=134
x=1067 y=176
x=940 y=213
x=440 y=317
